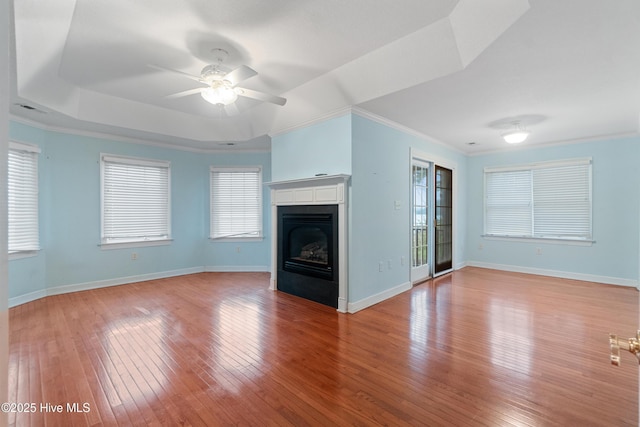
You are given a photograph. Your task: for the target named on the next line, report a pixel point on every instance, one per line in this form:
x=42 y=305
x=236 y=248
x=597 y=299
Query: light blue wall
x=320 y=148
x=230 y=256
x=73 y=222
x=30 y=273
x=616 y=213
x=69 y=168
x=378 y=159
x=378 y=231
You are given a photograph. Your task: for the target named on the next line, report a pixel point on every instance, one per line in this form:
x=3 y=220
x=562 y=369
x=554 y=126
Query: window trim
x=29 y=148
x=577 y=241
x=136 y=161
x=550 y=240
x=259 y=171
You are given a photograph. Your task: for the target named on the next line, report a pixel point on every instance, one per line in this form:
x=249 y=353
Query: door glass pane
x=443 y=219
x=420 y=234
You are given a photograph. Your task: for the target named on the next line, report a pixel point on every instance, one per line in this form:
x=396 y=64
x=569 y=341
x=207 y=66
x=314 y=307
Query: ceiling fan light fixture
x=516 y=136
x=219 y=95
x=222 y=85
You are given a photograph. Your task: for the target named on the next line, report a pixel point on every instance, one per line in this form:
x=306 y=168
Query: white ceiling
x=458 y=71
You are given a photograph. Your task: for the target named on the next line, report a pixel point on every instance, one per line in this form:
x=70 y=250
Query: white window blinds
x=547 y=200
x=236 y=202
x=22 y=188
x=508 y=203
x=135 y=200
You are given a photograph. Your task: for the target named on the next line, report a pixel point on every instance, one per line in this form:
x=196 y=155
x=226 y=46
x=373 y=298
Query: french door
x=443 y=233
x=431 y=220
x=420 y=214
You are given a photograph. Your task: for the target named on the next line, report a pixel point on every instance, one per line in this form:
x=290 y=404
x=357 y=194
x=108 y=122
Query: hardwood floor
x=477 y=347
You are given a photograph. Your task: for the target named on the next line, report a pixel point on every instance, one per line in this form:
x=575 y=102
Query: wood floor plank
x=474 y=348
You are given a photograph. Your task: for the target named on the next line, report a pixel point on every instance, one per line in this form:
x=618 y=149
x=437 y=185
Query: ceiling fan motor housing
x=211 y=73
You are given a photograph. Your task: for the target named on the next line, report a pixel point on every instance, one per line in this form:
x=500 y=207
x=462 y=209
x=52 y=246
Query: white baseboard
x=460 y=265
x=343 y=306
x=237 y=269
x=122 y=281
x=352 y=307
x=356 y=306
x=57 y=290
x=556 y=273
x=23 y=299
x=64 y=289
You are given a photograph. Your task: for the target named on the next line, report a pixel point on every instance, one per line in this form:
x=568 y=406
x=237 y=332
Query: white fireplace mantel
x=318 y=190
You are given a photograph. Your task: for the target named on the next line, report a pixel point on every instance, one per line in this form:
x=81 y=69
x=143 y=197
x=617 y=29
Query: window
x=546 y=200
x=22 y=188
x=135 y=200
x=236 y=203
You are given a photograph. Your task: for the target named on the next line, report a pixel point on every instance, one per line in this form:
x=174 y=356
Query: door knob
x=632 y=345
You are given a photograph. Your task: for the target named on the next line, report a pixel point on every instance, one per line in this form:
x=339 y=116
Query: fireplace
x=309 y=244
x=308 y=252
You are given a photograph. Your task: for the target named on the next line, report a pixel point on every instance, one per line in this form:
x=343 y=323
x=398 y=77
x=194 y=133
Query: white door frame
x=432 y=160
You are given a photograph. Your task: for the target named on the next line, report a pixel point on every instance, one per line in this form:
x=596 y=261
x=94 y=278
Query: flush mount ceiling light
x=517 y=135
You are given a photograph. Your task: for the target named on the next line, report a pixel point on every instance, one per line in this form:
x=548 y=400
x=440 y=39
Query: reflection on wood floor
x=476 y=347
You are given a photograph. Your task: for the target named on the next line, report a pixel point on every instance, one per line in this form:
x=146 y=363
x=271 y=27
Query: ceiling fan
x=221 y=85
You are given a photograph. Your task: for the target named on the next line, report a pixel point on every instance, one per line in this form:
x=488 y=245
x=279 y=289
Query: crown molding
x=371 y=116
x=402 y=128
x=525 y=147
x=322 y=118
x=130 y=140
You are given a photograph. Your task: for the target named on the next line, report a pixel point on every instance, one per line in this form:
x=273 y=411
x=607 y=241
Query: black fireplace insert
x=308 y=252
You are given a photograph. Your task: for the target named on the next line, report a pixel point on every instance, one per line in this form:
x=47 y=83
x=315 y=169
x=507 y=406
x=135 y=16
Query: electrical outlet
x=238 y=249
x=134 y=256
x=381 y=266
x=389 y=264
x=480 y=247
x=538 y=251
x=402 y=260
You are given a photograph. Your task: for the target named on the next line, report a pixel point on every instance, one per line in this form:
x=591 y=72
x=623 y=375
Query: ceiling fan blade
x=231 y=109
x=184 y=93
x=239 y=74
x=260 y=96
x=171 y=70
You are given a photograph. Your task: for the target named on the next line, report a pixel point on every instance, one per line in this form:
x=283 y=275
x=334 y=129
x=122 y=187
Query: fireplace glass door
x=308 y=252
x=309 y=245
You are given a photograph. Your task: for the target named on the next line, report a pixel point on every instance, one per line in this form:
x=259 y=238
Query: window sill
x=139 y=244
x=22 y=254
x=554 y=241
x=236 y=239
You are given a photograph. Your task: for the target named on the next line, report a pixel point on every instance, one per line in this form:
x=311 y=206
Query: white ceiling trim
x=373 y=117
x=525 y=146
x=399 y=127
x=111 y=137
x=332 y=115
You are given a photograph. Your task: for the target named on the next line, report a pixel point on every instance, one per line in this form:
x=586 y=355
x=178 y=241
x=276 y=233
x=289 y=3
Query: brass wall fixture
x=632 y=345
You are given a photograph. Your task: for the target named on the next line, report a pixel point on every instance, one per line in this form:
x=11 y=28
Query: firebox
x=308 y=252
